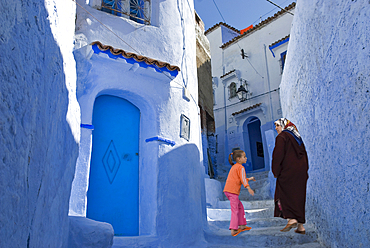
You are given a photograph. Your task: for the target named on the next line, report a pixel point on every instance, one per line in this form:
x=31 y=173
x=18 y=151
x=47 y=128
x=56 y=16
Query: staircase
x=259 y=210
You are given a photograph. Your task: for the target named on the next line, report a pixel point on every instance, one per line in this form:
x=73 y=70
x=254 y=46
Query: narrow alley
x=259 y=211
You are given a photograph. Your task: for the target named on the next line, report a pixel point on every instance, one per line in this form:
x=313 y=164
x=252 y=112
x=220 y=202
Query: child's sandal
x=235 y=232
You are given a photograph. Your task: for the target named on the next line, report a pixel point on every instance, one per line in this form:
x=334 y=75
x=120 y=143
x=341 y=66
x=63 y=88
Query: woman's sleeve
x=278 y=155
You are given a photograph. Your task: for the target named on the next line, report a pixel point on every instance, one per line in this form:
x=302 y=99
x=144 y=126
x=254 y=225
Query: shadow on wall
x=38 y=149
x=181 y=197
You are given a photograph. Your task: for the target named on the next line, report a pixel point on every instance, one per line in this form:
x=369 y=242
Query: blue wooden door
x=256 y=146
x=113 y=194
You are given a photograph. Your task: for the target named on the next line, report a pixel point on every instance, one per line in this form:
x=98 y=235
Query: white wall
x=39 y=122
x=325 y=92
x=171 y=177
x=262 y=73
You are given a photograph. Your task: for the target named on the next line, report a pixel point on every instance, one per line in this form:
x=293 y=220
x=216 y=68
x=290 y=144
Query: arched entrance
x=253 y=142
x=113 y=193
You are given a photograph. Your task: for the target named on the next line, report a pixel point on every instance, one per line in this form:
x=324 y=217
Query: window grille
x=136 y=10
x=232 y=90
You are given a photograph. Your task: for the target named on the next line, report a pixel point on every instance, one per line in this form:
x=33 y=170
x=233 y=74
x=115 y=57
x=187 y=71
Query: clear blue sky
x=237 y=13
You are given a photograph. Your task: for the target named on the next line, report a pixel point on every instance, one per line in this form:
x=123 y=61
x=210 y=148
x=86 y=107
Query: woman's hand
x=251 y=179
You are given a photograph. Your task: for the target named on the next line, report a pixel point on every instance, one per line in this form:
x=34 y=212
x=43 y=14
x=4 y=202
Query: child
x=235 y=179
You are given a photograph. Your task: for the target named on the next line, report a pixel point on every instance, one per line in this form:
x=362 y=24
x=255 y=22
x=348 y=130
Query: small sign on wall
x=185 y=127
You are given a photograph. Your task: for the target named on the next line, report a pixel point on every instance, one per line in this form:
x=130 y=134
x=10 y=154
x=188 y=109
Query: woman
x=290 y=167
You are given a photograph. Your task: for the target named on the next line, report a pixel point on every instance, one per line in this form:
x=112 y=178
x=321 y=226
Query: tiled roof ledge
x=240 y=115
x=230 y=74
x=219 y=24
x=260 y=25
x=159 y=65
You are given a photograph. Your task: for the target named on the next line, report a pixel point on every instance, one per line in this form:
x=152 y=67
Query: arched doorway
x=113 y=193
x=253 y=142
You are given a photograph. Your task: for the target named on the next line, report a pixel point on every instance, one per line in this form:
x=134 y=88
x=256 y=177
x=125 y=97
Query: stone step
x=262 y=193
x=258 y=175
x=306 y=245
x=258 y=183
x=225 y=214
x=260 y=237
x=255 y=223
x=249 y=204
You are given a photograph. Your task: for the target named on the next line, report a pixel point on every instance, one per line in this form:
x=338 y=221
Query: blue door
x=256 y=146
x=113 y=194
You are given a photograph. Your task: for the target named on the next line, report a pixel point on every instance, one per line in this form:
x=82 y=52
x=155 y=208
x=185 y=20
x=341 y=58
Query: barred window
x=136 y=10
x=232 y=90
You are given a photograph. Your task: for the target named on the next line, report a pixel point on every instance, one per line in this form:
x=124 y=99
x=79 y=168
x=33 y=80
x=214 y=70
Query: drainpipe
x=268 y=82
x=226 y=138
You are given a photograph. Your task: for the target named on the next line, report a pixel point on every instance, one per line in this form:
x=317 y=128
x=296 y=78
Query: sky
x=237 y=13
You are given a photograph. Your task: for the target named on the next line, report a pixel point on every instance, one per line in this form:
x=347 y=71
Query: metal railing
x=137 y=10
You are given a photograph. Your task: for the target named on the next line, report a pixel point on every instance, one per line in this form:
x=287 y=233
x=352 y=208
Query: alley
x=259 y=209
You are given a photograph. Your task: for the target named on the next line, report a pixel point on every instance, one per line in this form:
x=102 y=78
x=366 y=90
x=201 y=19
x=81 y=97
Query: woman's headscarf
x=289 y=126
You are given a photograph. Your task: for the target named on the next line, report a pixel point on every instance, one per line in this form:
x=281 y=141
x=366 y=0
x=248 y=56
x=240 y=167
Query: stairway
x=261 y=187
x=259 y=210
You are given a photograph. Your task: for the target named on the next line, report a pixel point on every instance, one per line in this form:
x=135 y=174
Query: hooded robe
x=290 y=167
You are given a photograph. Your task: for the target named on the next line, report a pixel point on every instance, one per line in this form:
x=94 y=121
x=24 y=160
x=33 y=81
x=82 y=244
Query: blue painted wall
x=39 y=127
x=325 y=91
x=180 y=220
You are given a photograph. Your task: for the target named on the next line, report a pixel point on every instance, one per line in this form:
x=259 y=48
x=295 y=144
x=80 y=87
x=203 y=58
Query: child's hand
x=250 y=191
x=252 y=179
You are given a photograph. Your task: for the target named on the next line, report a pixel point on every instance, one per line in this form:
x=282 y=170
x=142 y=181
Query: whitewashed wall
x=171 y=178
x=326 y=93
x=262 y=73
x=39 y=122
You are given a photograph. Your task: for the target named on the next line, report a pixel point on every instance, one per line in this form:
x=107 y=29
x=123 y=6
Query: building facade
x=253 y=60
x=140 y=156
x=205 y=92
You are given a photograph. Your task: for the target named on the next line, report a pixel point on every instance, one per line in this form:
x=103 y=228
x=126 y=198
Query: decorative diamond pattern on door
x=111 y=161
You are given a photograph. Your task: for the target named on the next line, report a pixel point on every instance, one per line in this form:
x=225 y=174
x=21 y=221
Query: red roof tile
x=260 y=25
x=219 y=24
x=227 y=73
x=286 y=37
x=136 y=57
x=246 y=109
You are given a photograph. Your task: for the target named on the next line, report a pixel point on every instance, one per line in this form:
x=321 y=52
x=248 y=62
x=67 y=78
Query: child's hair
x=236 y=154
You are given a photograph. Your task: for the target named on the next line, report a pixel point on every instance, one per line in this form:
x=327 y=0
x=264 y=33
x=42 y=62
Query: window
x=232 y=88
x=136 y=10
x=282 y=60
x=216 y=143
x=214 y=97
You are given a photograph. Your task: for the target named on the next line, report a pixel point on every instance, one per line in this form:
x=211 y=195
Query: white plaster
x=261 y=71
x=39 y=122
x=325 y=93
x=171 y=39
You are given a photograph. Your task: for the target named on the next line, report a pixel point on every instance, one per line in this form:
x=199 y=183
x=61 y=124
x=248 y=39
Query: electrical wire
x=280 y=7
x=236 y=43
x=253 y=23
x=268 y=12
x=265 y=93
x=219 y=11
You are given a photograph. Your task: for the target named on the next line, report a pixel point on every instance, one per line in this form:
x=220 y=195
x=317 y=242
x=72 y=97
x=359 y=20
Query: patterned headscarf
x=288 y=125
